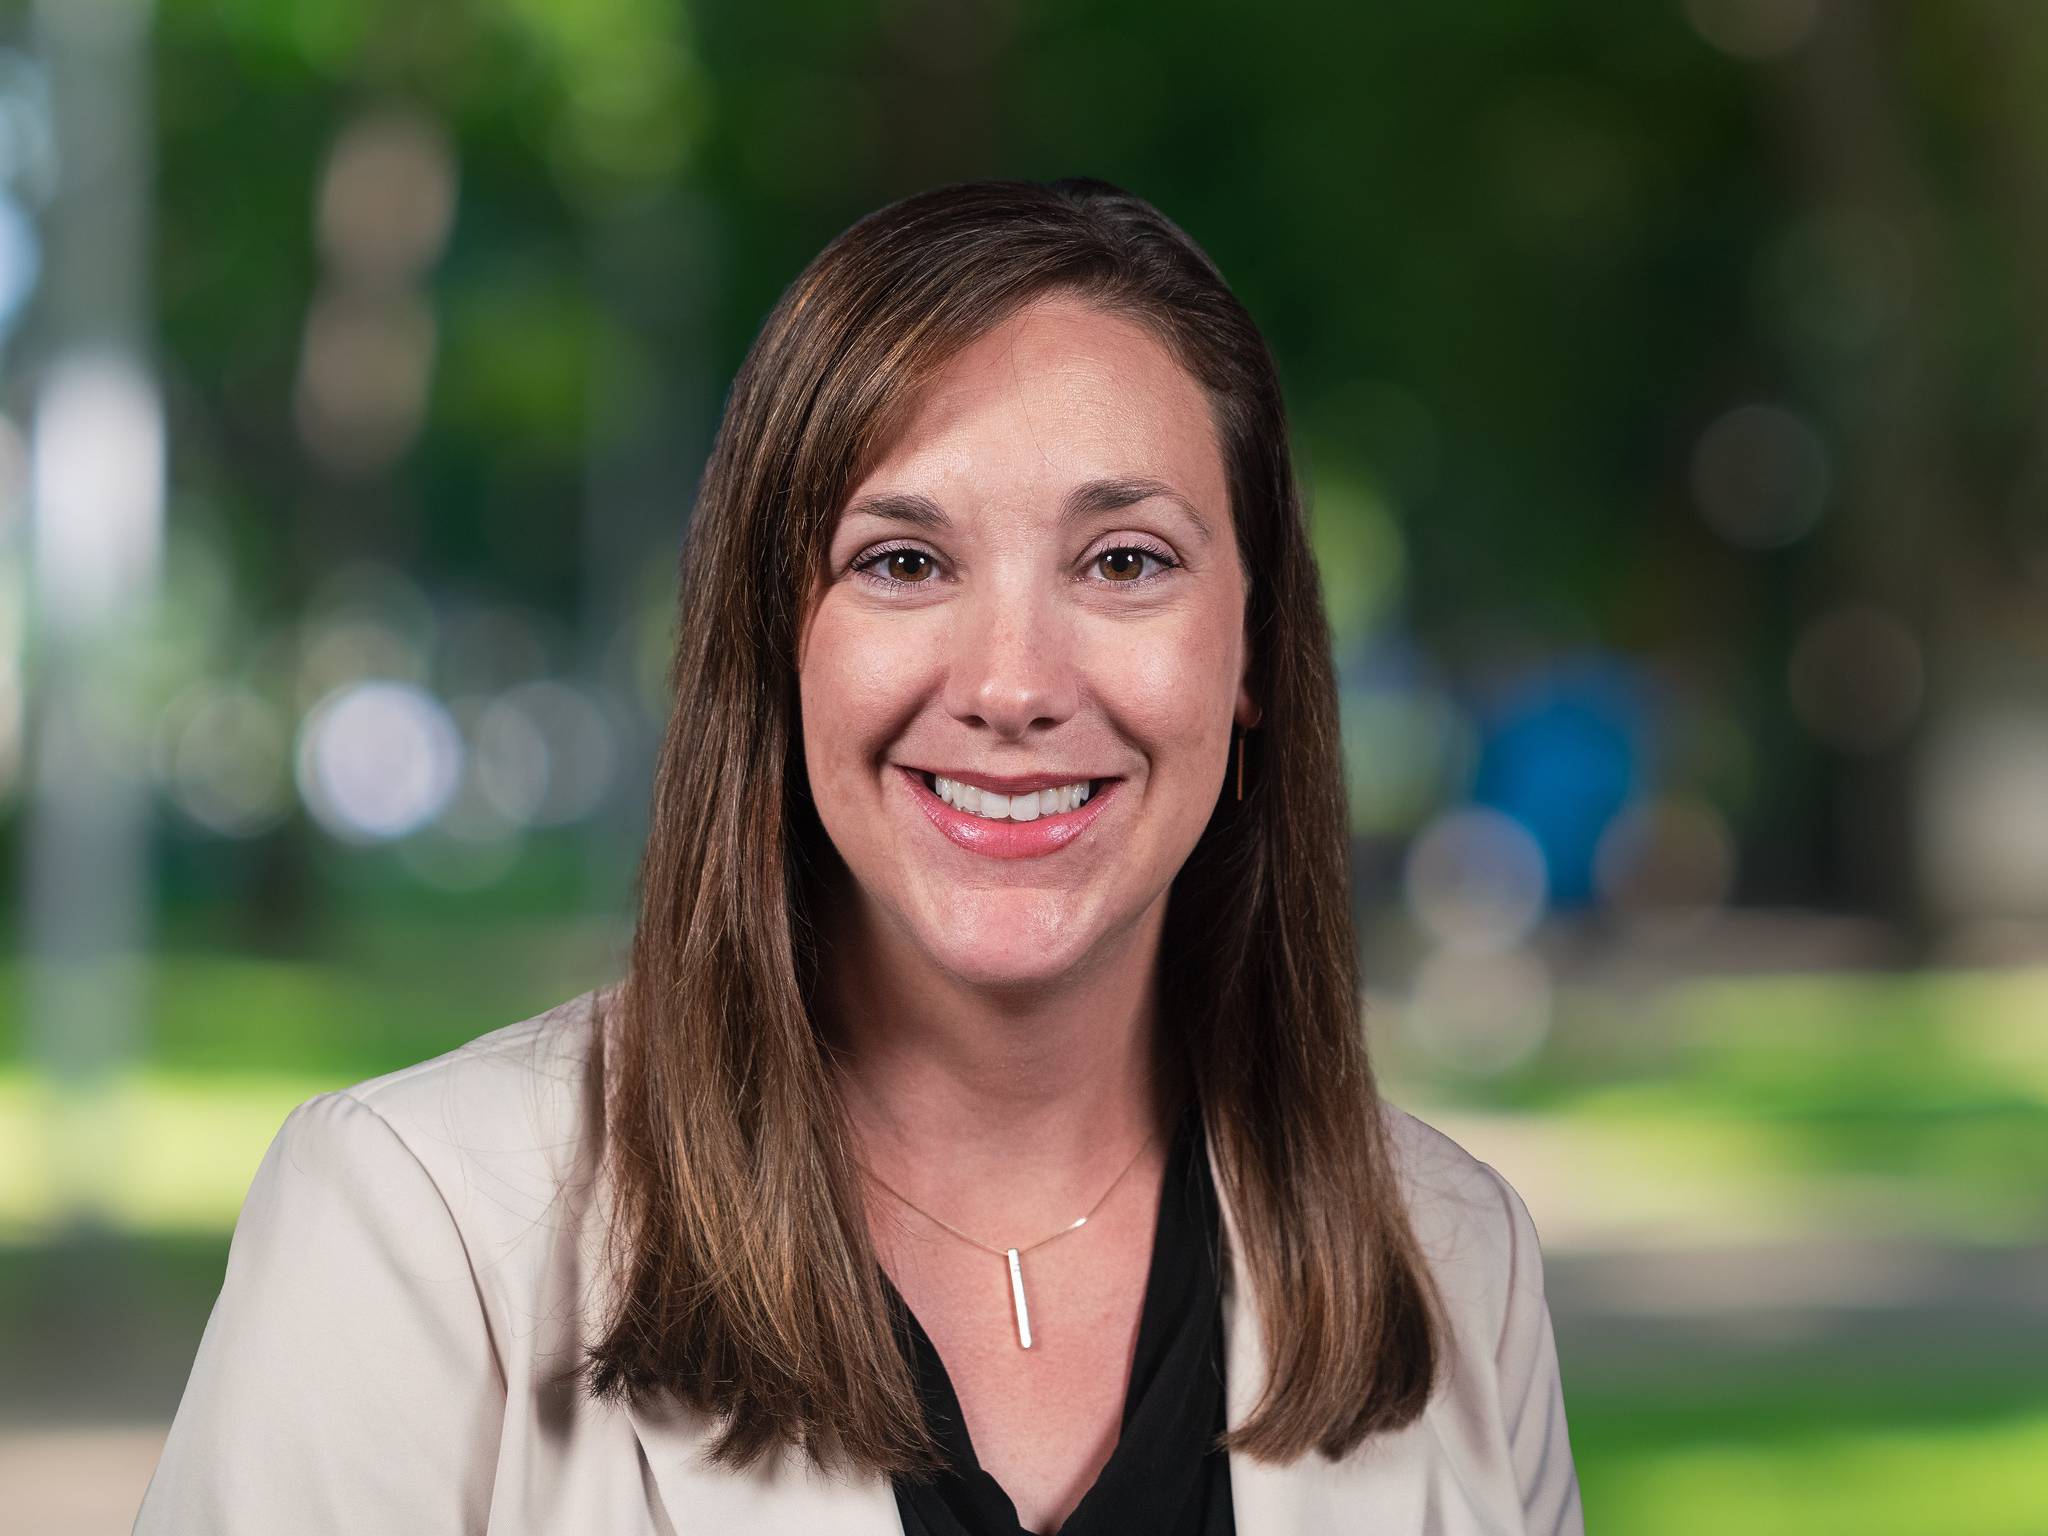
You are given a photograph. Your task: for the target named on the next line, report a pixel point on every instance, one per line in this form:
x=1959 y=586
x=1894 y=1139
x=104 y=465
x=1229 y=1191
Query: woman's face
x=1039 y=581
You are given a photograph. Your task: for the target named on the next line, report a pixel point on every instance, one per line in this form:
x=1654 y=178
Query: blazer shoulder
x=1470 y=1220
x=503 y=1124
x=1482 y=1247
x=1432 y=1165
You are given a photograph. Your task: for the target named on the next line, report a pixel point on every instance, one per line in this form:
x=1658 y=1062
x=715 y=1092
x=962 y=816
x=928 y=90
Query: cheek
x=851 y=689
x=1173 y=688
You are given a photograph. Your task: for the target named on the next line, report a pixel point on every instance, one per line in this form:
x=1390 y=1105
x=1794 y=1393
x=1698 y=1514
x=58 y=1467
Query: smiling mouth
x=971 y=801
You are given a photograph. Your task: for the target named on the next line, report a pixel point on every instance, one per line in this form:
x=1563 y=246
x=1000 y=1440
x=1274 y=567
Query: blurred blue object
x=1561 y=752
x=21 y=260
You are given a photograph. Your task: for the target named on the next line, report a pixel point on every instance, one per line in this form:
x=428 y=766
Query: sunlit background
x=1671 y=380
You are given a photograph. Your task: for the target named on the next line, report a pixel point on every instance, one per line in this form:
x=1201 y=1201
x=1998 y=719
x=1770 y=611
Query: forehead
x=1061 y=391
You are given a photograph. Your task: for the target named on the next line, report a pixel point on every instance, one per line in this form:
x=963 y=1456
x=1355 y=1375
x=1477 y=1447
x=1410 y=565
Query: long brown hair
x=747 y=1284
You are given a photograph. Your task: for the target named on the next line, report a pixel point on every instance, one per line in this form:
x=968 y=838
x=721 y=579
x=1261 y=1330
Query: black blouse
x=1163 y=1476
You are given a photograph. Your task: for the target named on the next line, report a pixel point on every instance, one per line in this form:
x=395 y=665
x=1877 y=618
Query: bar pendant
x=1017 y=1300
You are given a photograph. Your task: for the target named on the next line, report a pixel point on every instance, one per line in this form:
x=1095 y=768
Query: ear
x=1248 y=713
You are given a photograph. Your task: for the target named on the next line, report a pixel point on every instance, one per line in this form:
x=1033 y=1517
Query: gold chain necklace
x=1014 y=1255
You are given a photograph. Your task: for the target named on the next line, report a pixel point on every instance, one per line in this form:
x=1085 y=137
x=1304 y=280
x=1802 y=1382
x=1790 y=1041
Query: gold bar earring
x=1240 y=765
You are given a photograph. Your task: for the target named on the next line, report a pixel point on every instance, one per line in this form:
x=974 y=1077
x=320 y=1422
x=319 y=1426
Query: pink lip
x=1008 y=839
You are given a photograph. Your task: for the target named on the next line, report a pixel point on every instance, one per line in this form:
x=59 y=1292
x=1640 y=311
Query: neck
x=1002 y=1111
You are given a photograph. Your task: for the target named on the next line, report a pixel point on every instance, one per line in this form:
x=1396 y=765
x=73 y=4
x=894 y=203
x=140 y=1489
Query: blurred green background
x=1669 y=380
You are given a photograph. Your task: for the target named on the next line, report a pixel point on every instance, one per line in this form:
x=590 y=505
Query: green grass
x=1921 y=1098
x=1978 y=1482
x=168 y=1152
x=379 y=997
x=1882 y=1449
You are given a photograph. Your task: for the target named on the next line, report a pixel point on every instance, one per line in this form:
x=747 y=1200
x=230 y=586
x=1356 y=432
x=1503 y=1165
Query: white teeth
x=1025 y=807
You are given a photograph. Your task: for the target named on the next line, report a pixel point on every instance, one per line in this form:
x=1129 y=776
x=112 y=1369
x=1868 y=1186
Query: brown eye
x=1123 y=565
x=900 y=571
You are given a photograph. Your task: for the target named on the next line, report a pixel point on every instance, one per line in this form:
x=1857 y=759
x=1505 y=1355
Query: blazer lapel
x=784 y=1494
x=1381 y=1486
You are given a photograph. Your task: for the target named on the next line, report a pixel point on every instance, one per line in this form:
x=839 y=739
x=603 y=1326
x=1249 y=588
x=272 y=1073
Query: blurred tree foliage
x=1513 y=258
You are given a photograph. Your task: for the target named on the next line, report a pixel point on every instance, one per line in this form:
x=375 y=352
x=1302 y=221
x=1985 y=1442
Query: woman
x=982 y=1138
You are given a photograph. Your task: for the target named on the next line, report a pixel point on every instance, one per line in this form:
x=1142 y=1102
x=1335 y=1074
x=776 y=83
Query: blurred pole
x=1905 y=539
x=2009 y=52
x=97 y=501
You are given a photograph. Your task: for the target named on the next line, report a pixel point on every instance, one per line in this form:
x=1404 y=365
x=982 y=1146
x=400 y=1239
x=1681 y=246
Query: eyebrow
x=1085 y=500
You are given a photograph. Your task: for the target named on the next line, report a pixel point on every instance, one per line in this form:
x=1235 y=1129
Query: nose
x=1012 y=663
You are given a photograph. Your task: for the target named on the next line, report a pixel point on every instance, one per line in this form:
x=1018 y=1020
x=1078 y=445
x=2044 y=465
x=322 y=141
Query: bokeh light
x=1754 y=29
x=1760 y=477
x=1360 y=554
x=1834 y=284
x=1564 y=742
x=367 y=361
x=547 y=753
x=1666 y=865
x=378 y=760
x=365 y=620
x=387 y=199
x=1856 y=677
x=472 y=844
x=223 y=753
x=1983 y=812
x=1476 y=881
x=1482 y=1013
x=1404 y=746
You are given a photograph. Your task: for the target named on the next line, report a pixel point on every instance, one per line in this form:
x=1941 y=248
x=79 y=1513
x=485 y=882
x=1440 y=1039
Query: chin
x=996 y=944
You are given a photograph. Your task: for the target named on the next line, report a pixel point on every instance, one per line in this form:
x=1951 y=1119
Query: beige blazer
x=412 y=1268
